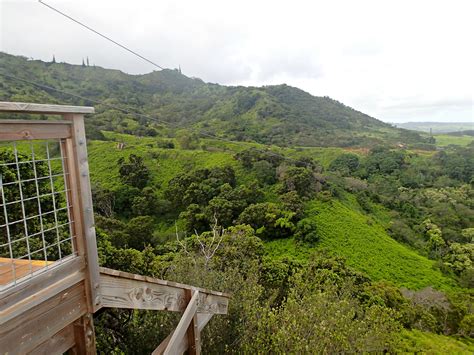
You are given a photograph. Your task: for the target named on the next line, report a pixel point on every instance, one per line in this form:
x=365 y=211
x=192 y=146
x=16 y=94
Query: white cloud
x=395 y=60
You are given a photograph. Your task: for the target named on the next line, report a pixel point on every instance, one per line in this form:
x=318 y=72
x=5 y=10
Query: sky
x=398 y=60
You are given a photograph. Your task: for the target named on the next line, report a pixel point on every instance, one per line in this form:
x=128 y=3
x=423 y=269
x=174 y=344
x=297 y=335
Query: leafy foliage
x=134 y=172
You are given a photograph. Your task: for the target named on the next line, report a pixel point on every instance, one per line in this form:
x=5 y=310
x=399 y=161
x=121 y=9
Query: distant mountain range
x=280 y=114
x=437 y=127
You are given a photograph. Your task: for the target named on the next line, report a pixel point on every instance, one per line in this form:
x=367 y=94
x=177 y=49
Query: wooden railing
x=48 y=296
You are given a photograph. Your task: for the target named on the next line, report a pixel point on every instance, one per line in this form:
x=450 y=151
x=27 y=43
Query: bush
x=346 y=164
x=307 y=231
x=268 y=220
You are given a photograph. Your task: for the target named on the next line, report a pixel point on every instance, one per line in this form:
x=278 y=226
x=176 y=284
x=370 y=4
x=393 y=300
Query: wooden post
x=84 y=337
x=86 y=245
x=78 y=166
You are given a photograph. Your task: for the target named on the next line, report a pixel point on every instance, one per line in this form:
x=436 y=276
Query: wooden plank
x=24 y=107
x=27 y=130
x=21 y=306
x=202 y=320
x=118 y=292
x=82 y=207
x=23 y=267
x=51 y=276
x=24 y=333
x=178 y=336
x=59 y=343
x=149 y=279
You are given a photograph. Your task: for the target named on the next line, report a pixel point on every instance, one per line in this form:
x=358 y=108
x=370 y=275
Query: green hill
x=280 y=114
x=437 y=127
x=344 y=230
x=365 y=244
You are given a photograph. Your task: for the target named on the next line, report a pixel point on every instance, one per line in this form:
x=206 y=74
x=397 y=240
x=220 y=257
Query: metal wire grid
x=36 y=226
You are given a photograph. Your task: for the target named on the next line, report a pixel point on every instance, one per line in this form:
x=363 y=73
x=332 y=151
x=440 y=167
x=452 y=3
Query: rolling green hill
x=280 y=114
x=344 y=230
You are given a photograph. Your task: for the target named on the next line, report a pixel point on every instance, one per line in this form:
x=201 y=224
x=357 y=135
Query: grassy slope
x=164 y=164
x=443 y=140
x=367 y=247
x=414 y=340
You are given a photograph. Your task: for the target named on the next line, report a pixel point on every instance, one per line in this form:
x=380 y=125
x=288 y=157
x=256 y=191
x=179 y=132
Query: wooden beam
x=202 y=320
x=24 y=107
x=153 y=280
x=193 y=334
x=59 y=343
x=14 y=130
x=180 y=332
x=121 y=292
x=24 y=333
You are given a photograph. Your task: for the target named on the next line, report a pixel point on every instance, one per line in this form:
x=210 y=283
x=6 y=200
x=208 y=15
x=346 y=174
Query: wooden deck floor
x=22 y=269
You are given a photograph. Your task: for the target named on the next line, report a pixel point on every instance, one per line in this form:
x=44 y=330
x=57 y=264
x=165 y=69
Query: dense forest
x=334 y=232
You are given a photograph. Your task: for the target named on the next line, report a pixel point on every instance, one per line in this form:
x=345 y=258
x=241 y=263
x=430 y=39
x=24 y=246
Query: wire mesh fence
x=36 y=224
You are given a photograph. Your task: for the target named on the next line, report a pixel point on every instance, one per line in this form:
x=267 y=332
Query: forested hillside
x=280 y=115
x=335 y=238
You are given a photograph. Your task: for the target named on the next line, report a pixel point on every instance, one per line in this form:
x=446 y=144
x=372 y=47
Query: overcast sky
x=395 y=60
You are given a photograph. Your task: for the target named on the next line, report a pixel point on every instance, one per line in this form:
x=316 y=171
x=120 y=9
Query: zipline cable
x=100 y=34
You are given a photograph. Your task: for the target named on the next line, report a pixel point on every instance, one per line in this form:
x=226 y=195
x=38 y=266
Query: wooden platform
x=22 y=268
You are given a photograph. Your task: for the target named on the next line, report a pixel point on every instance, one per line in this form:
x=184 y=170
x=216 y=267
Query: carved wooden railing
x=124 y=290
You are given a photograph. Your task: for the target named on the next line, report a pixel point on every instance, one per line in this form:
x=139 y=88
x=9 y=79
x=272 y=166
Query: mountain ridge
x=276 y=114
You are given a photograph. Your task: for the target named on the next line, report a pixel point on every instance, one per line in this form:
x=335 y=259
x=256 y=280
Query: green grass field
x=443 y=140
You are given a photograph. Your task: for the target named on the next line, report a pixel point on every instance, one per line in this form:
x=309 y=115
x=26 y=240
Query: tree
x=134 y=172
x=307 y=231
x=460 y=257
x=252 y=155
x=382 y=160
x=187 y=140
x=146 y=203
x=268 y=220
x=321 y=315
x=199 y=186
x=140 y=229
x=292 y=202
x=265 y=172
x=104 y=200
x=54 y=59
x=346 y=164
x=435 y=237
x=300 y=180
